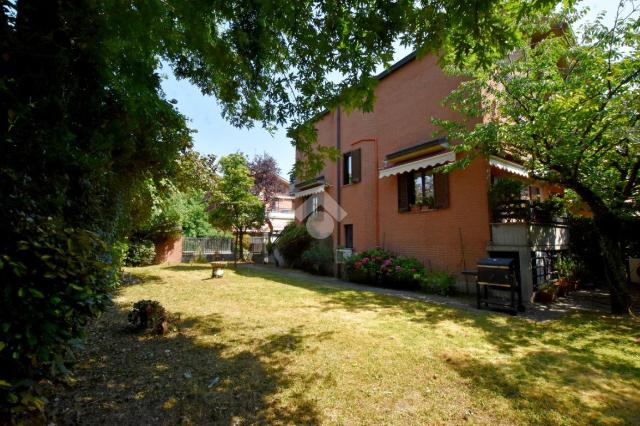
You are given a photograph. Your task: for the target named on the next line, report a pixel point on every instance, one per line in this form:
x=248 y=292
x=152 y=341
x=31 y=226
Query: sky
x=215 y=136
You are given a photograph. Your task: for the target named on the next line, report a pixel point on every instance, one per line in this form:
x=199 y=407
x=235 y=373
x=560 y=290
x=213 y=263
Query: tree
x=233 y=206
x=567 y=107
x=267 y=184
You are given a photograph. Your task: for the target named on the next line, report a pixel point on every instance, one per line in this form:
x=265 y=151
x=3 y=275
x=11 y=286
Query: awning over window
x=508 y=166
x=423 y=163
x=310 y=191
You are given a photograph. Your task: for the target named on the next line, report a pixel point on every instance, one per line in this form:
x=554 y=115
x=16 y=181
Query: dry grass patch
x=258 y=348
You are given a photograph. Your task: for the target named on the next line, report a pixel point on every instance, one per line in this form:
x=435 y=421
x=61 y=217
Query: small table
x=217 y=269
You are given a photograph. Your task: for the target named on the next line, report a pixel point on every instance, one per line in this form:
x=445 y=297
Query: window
x=423 y=189
x=424 y=194
x=531 y=193
x=348 y=236
x=351 y=167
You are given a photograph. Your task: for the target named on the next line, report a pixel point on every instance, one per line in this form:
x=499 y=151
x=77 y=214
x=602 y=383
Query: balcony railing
x=524 y=211
x=534 y=235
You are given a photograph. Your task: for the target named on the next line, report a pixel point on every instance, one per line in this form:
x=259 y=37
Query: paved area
x=593 y=300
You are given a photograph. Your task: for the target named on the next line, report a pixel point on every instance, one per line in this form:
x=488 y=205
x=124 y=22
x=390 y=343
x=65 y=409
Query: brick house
x=384 y=182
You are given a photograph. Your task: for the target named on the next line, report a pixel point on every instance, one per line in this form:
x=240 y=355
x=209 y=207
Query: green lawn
x=256 y=348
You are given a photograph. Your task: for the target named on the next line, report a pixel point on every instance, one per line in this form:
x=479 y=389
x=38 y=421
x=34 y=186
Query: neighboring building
x=384 y=182
x=280 y=213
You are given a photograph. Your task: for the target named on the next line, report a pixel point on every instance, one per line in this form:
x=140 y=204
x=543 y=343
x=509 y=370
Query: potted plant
x=427 y=203
x=562 y=287
x=546 y=293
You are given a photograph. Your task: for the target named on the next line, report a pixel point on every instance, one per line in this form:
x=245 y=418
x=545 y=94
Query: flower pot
x=562 y=287
x=544 y=297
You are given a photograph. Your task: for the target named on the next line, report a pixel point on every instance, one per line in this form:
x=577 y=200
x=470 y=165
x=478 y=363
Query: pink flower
x=386 y=262
x=413 y=269
x=398 y=268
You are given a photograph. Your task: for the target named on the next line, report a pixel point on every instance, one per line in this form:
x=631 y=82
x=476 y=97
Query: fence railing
x=257 y=244
x=207 y=245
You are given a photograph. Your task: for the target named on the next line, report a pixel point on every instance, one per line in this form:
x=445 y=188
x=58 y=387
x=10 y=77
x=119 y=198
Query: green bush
x=367 y=267
x=404 y=272
x=546 y=211
x=504 y=191
x=318 y=259
x=292 y=242
x=381 y=267
x=438 y=282
x=141 y=253
x=119 y=251
x=569 y=267
x=53 y=281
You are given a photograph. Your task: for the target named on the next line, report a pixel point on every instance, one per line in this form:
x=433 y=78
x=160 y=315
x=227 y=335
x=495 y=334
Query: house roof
x=395 y=67
x=384 y=74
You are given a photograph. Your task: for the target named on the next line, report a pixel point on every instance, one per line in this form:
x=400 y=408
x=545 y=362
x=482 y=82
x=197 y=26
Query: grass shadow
x=125 y=379
x=189 y=267
x=549 y=369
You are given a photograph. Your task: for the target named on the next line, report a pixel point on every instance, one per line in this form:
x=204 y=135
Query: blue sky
x=216 y=136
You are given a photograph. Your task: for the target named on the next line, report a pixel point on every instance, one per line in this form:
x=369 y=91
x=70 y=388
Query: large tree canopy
x=567 y=106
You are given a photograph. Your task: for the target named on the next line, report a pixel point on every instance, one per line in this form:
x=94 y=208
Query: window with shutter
x=424 y=189
x=403 y=192
x=347 y=168
x=356 y=165
x=441 y=190
x=348 y=236
x=351 y=167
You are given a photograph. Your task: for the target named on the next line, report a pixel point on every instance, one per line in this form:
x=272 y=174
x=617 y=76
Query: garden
x=270 y=349
x=377 y=267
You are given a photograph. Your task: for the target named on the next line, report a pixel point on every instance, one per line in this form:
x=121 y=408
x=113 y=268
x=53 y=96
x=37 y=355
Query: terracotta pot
x=544 y=297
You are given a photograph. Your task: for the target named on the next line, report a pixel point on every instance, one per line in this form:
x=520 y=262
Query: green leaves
x=567 y=108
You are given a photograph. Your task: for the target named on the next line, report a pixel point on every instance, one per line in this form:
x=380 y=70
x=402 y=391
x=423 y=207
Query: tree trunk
x=609 y=237
x=609 y=229
x=235 y=250
x=241 y=234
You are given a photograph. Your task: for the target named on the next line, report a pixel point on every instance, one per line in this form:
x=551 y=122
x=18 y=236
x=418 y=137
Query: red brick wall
x=170 y=251
x=405 y=103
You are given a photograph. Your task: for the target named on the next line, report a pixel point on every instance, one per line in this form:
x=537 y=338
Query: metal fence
x=257 y=244
x=192 y=246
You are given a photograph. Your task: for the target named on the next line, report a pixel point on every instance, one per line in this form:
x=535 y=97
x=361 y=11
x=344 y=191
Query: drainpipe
x=338 y=182
x=376 y=195
x=338 y=165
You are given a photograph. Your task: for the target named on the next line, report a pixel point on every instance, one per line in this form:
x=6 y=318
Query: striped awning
x=423 y=163
x=508 y=166
x=310 y=191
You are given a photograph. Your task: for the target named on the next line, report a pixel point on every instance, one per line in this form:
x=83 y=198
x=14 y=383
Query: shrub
x=53 y=281
x=403 y=272
x=150 y=315
x=318 y=259
x=568 y=267
x=504 y=191
x=546 y=211
x=381 y=267
x=141 y=253
x=292 y=242
x=119 y=251
x=438 y=282
x=366 y=267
